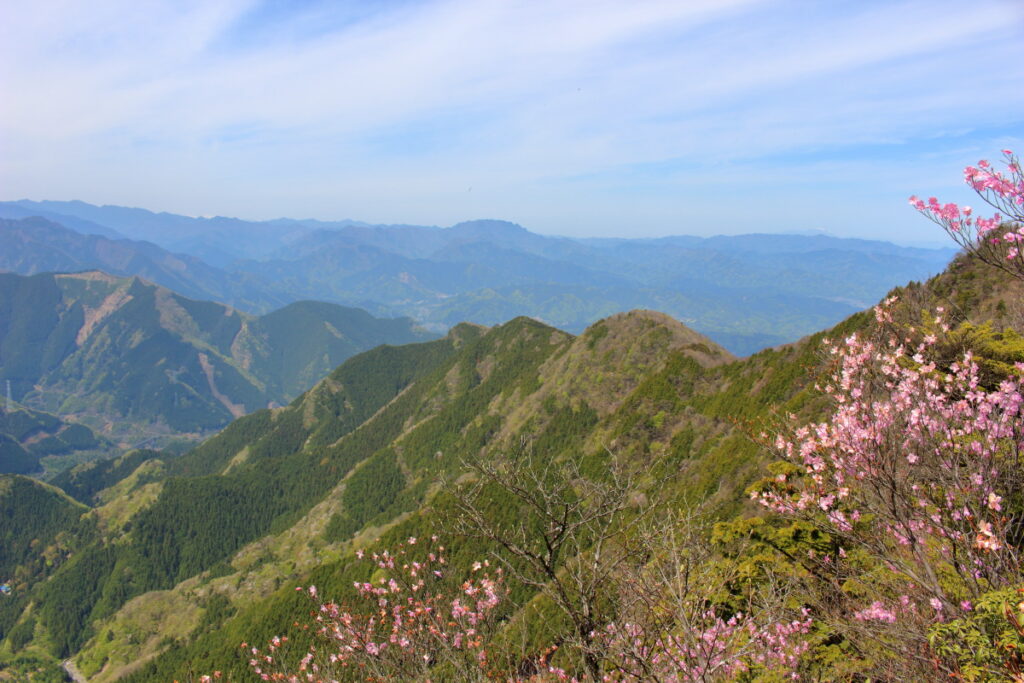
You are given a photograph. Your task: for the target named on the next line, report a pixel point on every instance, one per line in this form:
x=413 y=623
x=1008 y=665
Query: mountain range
x=747 y=292
x=158 y=566
x=134 y=359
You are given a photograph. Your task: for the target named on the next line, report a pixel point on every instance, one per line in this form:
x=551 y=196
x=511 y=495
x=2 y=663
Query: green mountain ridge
x=115 y=351
x=193 y=555
x=339 y=461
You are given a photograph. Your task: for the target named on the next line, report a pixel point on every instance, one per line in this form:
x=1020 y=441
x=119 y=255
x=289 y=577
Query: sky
x=582 y=118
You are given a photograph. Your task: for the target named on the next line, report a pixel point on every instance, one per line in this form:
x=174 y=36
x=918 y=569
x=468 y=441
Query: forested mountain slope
x=28 y=436
x=40 y=527
x=200 y=553
x=121 y=351
x=167 y=521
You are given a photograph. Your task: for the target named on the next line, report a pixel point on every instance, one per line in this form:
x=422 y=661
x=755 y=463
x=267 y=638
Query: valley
x=140 y=364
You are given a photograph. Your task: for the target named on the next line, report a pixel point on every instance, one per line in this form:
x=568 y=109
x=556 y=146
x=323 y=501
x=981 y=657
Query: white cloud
x=199 y=107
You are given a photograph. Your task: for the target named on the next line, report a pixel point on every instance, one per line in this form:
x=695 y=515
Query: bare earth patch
x=233 y=408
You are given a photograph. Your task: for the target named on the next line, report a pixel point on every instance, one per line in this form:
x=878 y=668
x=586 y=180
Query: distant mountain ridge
x=39 y=245
x=747 y=291
x=106 y=348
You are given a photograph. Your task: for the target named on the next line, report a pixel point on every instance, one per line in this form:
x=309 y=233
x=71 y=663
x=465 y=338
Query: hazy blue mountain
x=218 y=240
x=770 y=292
x=16 y=210
x=37 y=245
x=743 y=320
x=746 y=291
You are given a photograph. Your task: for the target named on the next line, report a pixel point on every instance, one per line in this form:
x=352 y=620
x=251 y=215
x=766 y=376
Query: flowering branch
x=994 y=240
x=411 y=620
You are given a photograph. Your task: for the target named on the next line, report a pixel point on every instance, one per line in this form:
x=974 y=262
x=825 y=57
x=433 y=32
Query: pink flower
x=986 y=538
x=876 y=612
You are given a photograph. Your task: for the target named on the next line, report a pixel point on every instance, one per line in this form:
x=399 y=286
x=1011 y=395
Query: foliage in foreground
x=412 y=622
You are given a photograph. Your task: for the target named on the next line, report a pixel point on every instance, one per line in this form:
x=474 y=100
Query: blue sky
x=624 y=118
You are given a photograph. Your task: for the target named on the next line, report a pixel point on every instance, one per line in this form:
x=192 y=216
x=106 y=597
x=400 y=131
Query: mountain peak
x=644 y=330
x=489 y=227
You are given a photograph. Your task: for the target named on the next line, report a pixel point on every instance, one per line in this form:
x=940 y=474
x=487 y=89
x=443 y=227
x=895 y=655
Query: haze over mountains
x=746 y=292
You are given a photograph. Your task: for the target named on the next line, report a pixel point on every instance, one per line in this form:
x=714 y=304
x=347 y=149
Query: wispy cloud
x=585 y=117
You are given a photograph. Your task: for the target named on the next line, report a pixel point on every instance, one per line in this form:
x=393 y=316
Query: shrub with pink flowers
x=410 y=619
x=710 y=647
x=413 y=623
x=997 y=239
x=917 y=472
